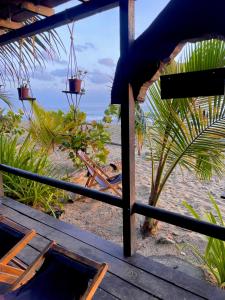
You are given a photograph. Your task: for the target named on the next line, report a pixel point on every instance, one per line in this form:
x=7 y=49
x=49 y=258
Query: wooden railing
x=138 y=207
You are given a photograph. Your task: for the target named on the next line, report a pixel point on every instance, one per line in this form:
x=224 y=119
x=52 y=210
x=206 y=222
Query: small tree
x=186 y=132
x=70 y=133
x=140 y=122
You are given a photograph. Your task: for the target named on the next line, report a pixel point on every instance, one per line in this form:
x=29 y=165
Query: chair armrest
x=31 y=270
x=17 y=248
x=95 y=282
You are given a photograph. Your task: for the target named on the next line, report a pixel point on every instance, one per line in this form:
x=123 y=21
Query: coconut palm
x=140 y=122
x=186 y=132
x=140 y=127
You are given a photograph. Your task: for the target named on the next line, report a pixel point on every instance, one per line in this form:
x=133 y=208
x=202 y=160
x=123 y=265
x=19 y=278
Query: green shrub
x=214 y=256
x=26 y=156
x=10 y=122
x=70 y=132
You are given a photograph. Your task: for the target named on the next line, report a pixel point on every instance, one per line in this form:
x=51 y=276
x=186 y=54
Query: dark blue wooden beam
x=193 y=84
x=75 y=13
x=138 y=207
x=66 y=186
x=182 y=221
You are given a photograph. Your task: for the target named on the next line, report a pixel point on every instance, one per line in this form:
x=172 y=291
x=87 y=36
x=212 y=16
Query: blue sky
x=97 y=43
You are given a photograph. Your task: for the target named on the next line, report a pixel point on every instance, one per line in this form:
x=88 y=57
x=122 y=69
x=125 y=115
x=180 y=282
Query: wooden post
x=1 y=186
x=128 y=133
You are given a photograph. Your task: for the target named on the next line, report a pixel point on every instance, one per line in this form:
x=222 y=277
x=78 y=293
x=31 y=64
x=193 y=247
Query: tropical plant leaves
x=214 y=255
x=22 y=57
x=25 y=156
x=190 y=131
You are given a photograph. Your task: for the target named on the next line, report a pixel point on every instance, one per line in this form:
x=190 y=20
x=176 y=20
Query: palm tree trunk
x=150 y=225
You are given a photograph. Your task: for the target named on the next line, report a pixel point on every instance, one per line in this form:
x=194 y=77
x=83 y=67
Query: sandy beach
x=170 y=242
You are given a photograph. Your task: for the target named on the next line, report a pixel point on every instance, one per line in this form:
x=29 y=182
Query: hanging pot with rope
x=75 y=77
x=75 y=85
x=24 y=91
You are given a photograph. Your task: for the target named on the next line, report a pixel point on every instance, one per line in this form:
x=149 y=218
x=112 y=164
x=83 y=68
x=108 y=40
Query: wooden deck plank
x=69 y=229
x=39 y=242
x=134 y=272
x=28 y=255
x=178 y=278
x=103 y=295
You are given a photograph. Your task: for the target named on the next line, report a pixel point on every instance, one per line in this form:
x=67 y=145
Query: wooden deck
x=128 y=278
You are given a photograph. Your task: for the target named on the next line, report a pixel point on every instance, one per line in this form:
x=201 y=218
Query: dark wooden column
x=128 y=133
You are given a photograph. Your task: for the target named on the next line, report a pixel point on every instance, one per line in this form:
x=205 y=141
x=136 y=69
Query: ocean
x=93 y=104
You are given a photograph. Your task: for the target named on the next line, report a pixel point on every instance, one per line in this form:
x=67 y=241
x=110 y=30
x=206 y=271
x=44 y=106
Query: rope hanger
x=23 y=79
x=74 y=74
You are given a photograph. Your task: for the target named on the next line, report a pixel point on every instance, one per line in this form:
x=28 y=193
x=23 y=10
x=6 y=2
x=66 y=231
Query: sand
x=106 y=221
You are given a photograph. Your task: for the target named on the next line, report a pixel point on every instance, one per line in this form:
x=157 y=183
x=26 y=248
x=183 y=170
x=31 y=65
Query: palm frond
x=5 y=98
x=191 y=131
x=22 y=57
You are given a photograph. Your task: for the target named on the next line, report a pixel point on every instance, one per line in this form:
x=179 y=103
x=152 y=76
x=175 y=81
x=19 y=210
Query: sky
x=97 y=51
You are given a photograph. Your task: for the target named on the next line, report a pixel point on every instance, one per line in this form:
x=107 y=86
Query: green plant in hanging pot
x=75 y=76
x=23 y=90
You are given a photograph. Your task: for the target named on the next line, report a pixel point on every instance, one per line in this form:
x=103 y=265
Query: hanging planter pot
x=75 y=85
x=23 y=92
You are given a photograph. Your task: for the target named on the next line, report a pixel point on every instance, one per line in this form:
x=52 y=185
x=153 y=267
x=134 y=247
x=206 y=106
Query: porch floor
x=137 y=277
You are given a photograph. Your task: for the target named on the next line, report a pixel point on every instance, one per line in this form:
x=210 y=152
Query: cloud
x=53 y=58
x=108 y=62
x=59 y=72
x=84 y=47
x=61 y=61
x=42 y=75
x=98 y=77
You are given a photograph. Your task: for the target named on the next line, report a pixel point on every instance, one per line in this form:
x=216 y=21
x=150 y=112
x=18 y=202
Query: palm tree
x=140 y=122
x=186 y=132
x=140 y=127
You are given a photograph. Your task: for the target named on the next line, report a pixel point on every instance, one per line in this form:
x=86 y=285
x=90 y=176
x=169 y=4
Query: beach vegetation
x=213 y=258
x=140 y=122
x=25 y=155
x=10 y=122
x=188 y=132
x=140 y=127
x=70 y=132
x=5 y=98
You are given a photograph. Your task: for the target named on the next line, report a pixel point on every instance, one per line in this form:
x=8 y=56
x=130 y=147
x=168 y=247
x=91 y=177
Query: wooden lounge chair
x=13 y=238
x=61 y=275
x=97 y=175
